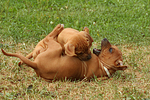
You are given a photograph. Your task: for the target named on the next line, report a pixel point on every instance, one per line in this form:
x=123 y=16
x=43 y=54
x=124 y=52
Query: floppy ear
x=69 y=49
x=86 y=29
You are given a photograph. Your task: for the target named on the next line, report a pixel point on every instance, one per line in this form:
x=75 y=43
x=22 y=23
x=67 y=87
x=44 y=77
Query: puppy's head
x=110 y=54
x=79 y=45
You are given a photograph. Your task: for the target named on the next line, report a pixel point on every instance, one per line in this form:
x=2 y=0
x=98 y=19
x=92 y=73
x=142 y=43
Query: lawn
x=125 y=23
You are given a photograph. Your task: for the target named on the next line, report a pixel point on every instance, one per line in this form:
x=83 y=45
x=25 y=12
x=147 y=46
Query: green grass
x=119 y=21
x=125 y=23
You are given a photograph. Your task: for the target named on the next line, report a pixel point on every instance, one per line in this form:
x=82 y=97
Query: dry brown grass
x=22 y=82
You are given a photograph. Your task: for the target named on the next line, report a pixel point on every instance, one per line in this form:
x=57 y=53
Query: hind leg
x=42 y=45
x=29 y=56
x=56 y=31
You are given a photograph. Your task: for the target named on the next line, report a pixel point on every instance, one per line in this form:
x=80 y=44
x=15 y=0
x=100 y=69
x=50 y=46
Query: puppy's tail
x=24 y=59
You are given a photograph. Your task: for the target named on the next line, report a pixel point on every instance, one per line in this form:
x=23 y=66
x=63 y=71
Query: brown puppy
x=76 y=43
x=51 y=64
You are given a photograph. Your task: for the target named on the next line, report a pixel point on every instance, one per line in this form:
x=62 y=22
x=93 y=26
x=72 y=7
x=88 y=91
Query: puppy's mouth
x=96 y=51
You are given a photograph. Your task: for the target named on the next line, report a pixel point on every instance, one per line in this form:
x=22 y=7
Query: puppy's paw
x=56 y=30
x=20 y=63
x=60 y=28
x=62 y=25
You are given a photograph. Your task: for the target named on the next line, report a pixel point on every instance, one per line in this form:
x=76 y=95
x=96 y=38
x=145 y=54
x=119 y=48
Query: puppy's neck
x=106 y=69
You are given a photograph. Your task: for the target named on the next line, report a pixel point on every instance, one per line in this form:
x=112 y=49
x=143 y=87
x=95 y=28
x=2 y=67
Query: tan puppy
x=76 y=43
x=51 y=64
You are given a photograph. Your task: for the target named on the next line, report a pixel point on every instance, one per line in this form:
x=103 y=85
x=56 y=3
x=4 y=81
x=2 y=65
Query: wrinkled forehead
x=82 y=47
x=82 y=32
x=85 y=34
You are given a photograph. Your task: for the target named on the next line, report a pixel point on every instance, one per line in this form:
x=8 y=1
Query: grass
x=124 y=23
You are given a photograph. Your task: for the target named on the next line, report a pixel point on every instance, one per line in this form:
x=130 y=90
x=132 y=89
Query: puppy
x=52 y=65
x=76 y=43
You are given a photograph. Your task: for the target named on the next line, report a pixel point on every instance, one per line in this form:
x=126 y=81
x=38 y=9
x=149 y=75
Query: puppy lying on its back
x=74 y=43
x=51 y=65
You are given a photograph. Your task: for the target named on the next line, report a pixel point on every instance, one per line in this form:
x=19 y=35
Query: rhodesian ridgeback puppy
x=52 y=65
x=74 y=43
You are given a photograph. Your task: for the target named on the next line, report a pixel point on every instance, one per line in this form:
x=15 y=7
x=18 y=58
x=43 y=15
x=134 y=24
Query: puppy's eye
x=110 y=50
x=87 y=40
